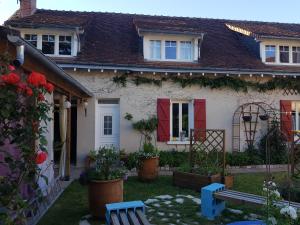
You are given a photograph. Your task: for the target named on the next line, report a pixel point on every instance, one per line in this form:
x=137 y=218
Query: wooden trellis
x=208 y=141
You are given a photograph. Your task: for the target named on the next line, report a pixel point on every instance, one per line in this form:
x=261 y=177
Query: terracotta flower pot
x=104 y=192
x=148 y=170
x=228 y=181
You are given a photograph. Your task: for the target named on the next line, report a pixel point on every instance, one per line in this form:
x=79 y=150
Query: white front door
x=109 y=130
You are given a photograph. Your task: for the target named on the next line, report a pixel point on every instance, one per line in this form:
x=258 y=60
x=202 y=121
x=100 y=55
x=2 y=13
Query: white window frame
x=175 y=140
x=296 y=105
x=50 y=42
x=153 y=45
x=32 y=40
x=40 y=33
x=297 y=51
x=277 y=45
x=284 y=51
x=176 y=49
x=183 y=45
x=275 y=50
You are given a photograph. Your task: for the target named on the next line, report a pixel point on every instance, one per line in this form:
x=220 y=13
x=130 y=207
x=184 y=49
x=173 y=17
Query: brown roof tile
x=112 y=39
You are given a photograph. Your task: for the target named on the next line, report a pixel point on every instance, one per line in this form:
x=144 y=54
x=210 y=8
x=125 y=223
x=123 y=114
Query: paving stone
x=179 y=200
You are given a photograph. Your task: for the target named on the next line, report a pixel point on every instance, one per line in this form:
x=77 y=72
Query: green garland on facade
x=233 y=83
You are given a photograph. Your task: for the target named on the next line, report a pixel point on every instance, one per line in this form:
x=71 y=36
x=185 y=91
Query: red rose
x=41 y=157
x=41 y=97
x=49 y=87
x=36 y=79
x=11 y=68
x=22 y=86
x=11 y=78
x=29 y=91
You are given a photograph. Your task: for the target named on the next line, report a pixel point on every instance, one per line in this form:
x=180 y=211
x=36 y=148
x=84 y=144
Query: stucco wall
x=140 y=101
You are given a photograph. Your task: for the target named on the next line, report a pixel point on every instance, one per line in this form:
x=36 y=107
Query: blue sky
x=263 y=10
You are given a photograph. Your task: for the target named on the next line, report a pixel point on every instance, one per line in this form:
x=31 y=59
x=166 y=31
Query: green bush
x=172 y=158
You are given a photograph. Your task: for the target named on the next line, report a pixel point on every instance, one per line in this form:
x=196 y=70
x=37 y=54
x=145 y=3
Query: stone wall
x=140 y=101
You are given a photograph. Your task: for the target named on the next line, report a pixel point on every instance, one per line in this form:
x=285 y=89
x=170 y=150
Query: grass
x=73 y=205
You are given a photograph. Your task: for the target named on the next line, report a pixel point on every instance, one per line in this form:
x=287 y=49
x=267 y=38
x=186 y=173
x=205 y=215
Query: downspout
x=19 y=49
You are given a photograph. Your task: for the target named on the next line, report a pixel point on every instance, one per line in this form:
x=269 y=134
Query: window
x=107 y=125
x=32 y=39
x=284 y=54
x=155 y=49
x=296 y=54
x=186 y=50
x=180 y=120
x=65 y=45
x=270 y=53
x=170 y=49
x=48 y=43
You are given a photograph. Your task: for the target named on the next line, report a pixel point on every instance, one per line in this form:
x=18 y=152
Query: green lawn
x=72 y=205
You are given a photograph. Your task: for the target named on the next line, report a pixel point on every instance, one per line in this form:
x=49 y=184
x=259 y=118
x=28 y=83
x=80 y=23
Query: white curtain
x=47 y=169
x=63 y=136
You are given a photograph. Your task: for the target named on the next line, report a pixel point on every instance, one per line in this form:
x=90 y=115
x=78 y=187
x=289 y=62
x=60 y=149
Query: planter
x=148 y=170
x=194 y=181
x=228 y=180
x=264 y=117
x=104 y=192
x=247 y=118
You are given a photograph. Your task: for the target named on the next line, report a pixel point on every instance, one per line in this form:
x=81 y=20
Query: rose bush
x=22 y=142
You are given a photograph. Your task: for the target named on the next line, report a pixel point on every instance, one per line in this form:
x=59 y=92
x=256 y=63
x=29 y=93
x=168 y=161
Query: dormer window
x=270 y=53
x=284 y=54
x=58 y=44
x=48 y=44
x=296 y=54
x=186 y=50
x=170 y=50
x=31 y=38
x=65 y=45
x=155 y=49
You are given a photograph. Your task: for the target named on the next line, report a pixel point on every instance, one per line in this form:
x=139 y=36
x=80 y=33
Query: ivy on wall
x=233 y=83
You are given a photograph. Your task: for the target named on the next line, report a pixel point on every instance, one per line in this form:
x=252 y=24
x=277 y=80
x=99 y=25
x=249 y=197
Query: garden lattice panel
x=208 y=141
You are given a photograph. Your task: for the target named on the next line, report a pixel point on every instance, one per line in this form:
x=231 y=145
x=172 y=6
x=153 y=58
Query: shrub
x=172 y=158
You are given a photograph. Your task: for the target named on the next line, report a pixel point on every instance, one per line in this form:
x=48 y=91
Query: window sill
x=178 y=142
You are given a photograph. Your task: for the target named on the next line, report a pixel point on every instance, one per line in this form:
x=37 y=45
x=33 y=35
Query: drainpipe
x=19 y=49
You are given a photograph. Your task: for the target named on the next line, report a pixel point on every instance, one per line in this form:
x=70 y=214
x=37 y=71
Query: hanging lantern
x=67 y=105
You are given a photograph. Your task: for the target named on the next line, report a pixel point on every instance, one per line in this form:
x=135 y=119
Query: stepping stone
x=235 y=211
x=156 y=205
x=197 y=201
x=84 y=222
x=179 y=200
x=167 y=202
x=164 y=219
x=164 y=197
x=150 y=201
x=161 y=213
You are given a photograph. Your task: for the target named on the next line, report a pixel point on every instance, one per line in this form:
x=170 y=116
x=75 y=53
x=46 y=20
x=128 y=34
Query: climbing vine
x=233 y=83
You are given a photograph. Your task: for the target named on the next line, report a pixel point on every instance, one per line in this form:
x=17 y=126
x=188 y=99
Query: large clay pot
x=148 y=169
x=104 y=192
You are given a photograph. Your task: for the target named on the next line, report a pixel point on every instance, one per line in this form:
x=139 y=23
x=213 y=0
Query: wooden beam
x=68 y=140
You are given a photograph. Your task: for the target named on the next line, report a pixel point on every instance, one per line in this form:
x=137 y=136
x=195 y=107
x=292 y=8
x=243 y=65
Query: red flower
x=36 y=79
x=49 y=87
x=11 y=78
x=41 y=157
x=11 y=68
x=21 y=86
x=29 y=91
x=41 y=97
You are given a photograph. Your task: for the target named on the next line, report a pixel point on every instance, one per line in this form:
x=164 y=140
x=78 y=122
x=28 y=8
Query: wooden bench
x=213 y=199
x=126 y=213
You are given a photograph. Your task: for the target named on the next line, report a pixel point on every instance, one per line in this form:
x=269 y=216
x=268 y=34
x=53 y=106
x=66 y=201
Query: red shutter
x=286 y=118
x=163 y=116
x=200 y=118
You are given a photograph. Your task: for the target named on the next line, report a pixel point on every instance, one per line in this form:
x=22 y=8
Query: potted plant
x=105 y=181
x=90 y=159
x=228 y=179
x=147 y=156
x=148 y=163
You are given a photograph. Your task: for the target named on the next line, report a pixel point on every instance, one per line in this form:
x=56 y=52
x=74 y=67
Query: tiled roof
x=112 y=39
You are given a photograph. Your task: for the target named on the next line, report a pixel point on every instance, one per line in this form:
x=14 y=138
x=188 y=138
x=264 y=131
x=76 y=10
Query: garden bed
x=73 y=205
x=194 y=181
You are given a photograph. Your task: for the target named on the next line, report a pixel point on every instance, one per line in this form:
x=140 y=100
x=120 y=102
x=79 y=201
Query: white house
x=190 y=72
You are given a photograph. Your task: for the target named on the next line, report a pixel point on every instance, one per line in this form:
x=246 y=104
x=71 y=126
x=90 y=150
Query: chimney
x=27 y=7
